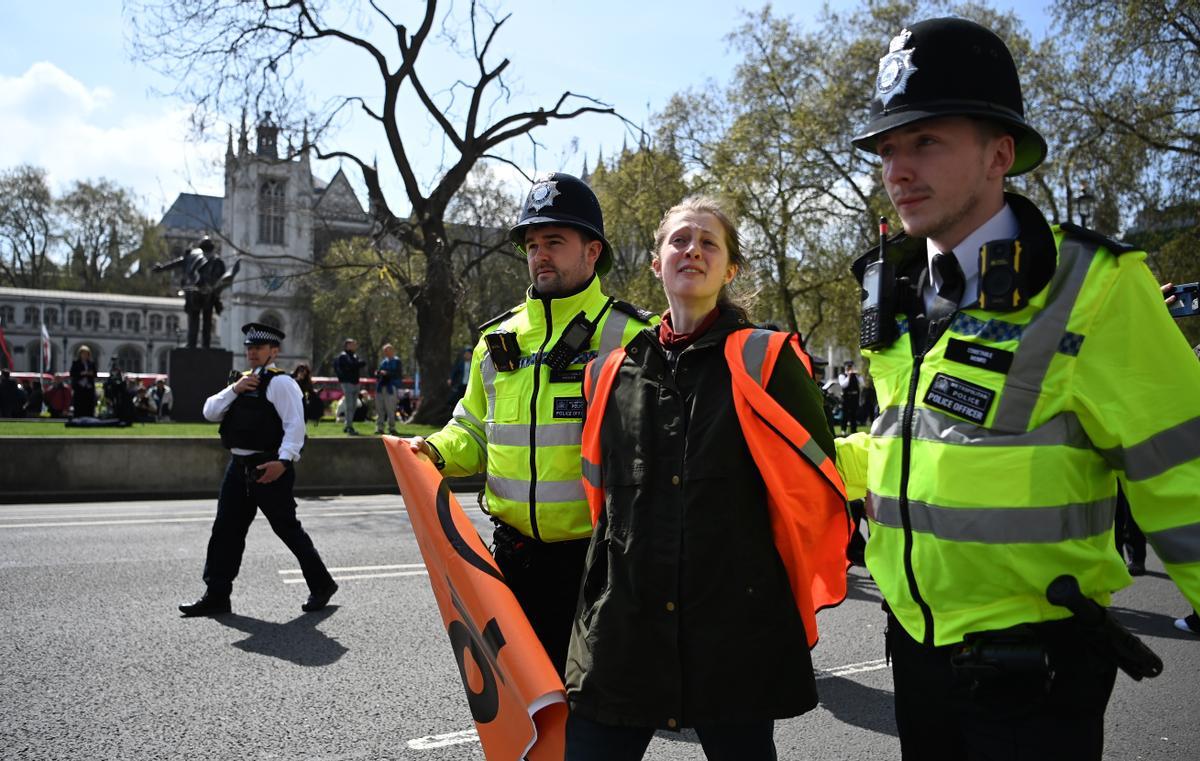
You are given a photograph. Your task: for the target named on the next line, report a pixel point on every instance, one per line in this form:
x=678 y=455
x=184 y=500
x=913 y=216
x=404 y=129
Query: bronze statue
x=204 y=277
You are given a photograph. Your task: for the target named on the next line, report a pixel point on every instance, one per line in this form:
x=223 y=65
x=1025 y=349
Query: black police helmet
x=560 y=199
x=951 y=67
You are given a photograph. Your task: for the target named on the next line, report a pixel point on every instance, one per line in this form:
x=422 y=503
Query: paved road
x=95 y=663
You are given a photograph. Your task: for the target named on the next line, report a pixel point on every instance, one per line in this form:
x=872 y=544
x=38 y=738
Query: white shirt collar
x=1002 y=226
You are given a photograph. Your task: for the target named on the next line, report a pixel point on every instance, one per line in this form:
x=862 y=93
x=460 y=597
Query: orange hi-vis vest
x=806 y=498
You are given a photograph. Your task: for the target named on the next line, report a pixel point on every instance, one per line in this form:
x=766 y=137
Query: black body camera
x=1001 y=282
x=503 y=349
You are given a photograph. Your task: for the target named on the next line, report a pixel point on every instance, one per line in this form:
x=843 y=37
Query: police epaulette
x=498 y=318
x=1115 y=247
x=645 y=315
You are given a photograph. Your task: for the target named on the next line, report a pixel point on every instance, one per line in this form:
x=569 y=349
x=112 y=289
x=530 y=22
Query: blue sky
x=71 y=101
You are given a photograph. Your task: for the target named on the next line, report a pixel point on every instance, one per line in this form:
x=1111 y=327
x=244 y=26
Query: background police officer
x=262 y=425
x=521 y=418
x=1021 y=369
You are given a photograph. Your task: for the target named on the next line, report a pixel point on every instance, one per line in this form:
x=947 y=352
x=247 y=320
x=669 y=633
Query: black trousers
x=545 y=579
x=588 y=740
x=238 y=503
x=944 y=717
x=849 y=413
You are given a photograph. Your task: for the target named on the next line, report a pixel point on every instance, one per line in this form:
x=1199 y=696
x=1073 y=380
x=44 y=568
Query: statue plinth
x=195 y=375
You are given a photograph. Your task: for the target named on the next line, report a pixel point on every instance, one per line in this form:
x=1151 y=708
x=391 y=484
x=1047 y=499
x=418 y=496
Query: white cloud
x=52 y=120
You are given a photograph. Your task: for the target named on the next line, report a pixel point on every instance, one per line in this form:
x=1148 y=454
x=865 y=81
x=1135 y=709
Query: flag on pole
x=515 y=695
x=45 y=357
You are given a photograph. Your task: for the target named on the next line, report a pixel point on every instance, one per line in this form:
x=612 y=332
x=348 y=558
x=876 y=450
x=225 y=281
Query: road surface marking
x=441 y=741
x=364 y=576
x=363 y=568
x=207 y=519
x=852 y=668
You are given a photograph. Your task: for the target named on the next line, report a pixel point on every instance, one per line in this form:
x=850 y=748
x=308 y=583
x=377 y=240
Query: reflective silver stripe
x=462 y=416
x=1041 y=338
x=612 y=336
x=754 y=353
x=516 y=490
x=930 y=425
x=593 y=473
x=1177 y=545
x=517 y=434
x=1159 y=453
x=488 y=370
x=999 y=525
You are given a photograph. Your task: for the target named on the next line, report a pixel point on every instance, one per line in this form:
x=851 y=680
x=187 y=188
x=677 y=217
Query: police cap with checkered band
x=256 y=333
x=951 y=67
x=560 y=199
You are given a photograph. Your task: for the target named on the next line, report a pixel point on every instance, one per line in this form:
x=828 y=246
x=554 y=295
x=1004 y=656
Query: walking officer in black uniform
x=262 y=426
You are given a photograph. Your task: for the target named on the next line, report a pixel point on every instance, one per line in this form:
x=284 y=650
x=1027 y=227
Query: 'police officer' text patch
x=568 y=407
x=960 y=398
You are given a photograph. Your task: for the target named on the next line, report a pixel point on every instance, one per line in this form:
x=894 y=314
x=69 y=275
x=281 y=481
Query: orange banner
x=515 y=696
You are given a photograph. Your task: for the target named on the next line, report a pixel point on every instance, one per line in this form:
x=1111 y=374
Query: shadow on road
x=859 y=705
x=1147 y=624
x=298 y=641
x=862 y=588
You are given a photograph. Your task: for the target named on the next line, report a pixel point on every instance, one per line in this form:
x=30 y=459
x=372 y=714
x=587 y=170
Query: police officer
x=262 y=425
x=1009 y=359
x=521 y=418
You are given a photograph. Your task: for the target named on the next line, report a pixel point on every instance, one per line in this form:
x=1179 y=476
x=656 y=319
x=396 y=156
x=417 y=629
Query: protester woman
x=83 y=383
x=686 y=615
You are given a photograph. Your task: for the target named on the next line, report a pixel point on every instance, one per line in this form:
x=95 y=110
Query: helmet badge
x=894 y=69
x=543 y=194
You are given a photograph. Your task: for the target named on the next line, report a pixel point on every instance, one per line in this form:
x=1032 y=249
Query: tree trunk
x=435 y=327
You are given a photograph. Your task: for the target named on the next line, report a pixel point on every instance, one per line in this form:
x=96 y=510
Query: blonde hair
x=733 y=241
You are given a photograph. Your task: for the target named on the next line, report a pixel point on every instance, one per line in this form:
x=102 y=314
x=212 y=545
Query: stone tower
x=267 y=221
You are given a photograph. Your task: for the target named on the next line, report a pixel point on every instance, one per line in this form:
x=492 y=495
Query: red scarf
x=677 y=341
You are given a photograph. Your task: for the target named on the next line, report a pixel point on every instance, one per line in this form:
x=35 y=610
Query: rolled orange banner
x=515 y=696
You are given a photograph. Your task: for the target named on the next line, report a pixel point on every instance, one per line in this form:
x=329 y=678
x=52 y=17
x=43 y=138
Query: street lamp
x=1086 y=203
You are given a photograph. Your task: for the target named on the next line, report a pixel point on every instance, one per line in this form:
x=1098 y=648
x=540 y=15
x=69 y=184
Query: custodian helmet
x=951 y=67
x=560 y=199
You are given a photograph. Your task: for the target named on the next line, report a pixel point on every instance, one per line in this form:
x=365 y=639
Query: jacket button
x=675 y=480
x=670 y=606
x=672 y=723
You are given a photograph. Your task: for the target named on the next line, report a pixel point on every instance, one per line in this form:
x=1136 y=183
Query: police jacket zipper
x=905 y=517
x=533 y=421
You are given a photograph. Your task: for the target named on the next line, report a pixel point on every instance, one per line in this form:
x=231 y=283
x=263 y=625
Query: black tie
x=948 y=269
x=945 y=303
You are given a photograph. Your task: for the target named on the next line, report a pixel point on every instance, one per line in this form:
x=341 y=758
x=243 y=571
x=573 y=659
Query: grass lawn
x=51 y=427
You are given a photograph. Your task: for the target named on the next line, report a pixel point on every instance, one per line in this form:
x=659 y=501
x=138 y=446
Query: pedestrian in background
x=348 y=369
x=83 y=383
x=387 y=388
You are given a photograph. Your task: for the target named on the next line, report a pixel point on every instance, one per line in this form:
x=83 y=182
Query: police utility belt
x=506 y=353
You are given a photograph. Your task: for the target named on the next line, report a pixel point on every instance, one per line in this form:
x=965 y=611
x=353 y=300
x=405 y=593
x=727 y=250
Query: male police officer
x=262 y=425
x=1012 y=364
x=521 y=418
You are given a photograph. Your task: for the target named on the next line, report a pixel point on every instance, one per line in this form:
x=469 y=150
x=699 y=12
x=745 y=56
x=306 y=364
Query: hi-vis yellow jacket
x=524 y=427
x=992 y=468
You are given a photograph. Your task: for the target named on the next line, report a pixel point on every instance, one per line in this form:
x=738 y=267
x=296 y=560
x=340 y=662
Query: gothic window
x=134 y=321
x=172 y=324
x=92 y=319
x=156 y=323
x=115 y=321
x=129 y=358
x=74 y=318
x=51 y=316
x=271 y=212
x=31 y=315
x=7 y=314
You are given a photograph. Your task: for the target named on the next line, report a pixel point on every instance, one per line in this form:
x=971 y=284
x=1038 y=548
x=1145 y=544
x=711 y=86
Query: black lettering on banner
x=977 y=355
x=456 y=541
x=484 y=704
x=960 y=398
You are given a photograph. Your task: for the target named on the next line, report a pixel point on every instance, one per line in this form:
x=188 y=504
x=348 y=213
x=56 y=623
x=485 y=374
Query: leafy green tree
x=101 y=226
x=27 y=229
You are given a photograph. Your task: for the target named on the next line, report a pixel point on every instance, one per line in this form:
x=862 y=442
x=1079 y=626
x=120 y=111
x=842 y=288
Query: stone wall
x=95 y=468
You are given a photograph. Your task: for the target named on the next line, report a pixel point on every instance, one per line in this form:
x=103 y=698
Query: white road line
x=307 y=516
x=365 y=576
x=363 y=568
x=441 y=741
x=455 y=738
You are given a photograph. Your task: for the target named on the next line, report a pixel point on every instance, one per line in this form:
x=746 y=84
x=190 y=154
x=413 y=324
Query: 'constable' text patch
x=960 y=398
x=569 y=407
x=976 y=355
